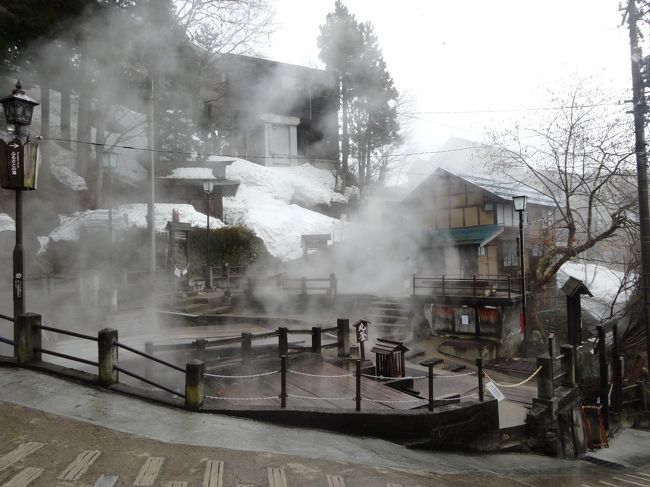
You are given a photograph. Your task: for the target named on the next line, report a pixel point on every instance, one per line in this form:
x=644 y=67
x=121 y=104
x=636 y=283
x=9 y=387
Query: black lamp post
x=208 y=186
x=19 y=172
x=519 y=203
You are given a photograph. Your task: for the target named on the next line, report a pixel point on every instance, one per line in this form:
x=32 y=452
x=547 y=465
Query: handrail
x=66 y=332
x=455 y=285
x=8 y=318
x=150 y=357
x=150 y=382
x=66 y=356
x=7 y=341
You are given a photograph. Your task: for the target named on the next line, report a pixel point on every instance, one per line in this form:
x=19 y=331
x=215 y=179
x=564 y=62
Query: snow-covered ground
x=7 y=223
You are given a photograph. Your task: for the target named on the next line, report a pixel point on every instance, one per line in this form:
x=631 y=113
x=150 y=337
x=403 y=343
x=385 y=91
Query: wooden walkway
x=313 y=392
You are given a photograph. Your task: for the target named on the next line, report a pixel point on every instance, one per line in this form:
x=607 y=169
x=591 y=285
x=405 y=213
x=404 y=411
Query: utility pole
x=151 y=146
x=639 y=109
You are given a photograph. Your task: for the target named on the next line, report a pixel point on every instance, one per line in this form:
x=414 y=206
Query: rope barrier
x=297 y=396
x=518 y=383
x=395 y=401
x=453 y=376
x=219 y=376
x=268 y=398
x=321 y=376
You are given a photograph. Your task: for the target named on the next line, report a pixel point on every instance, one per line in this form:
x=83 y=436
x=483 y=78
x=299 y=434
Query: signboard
x=494 y=391
x=362 y=332
x=19 y=164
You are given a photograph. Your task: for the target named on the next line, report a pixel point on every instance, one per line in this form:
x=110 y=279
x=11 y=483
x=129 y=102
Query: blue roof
x=479 y=235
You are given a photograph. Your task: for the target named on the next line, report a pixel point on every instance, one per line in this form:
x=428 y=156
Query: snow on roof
x=505 y=189
x=7 y=223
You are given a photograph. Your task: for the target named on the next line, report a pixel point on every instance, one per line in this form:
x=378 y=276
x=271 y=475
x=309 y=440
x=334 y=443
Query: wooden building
x=470 y=279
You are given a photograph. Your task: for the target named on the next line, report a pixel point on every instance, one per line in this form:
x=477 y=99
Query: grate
x=603 y=463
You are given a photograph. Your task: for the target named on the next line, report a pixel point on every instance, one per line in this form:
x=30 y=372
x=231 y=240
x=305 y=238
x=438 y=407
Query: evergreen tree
x=368 y=97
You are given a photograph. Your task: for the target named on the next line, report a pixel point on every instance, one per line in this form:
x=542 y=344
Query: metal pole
x=357 y=399
x=151 y=146
x=431 y=387
x=639 y=110
x=522 y=263
x=110 y=206
x=19 y=255
x=283 y=381
x=208 y=277
x=479 y=365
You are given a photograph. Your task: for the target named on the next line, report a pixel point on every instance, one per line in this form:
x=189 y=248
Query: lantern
x=18 y=107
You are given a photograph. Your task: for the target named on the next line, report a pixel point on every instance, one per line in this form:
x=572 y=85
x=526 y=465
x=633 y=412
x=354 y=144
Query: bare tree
x=579 y=154
x=224 y=26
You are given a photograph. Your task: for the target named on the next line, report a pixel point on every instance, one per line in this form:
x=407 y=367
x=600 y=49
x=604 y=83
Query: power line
x=505 y=110
x=276 y=156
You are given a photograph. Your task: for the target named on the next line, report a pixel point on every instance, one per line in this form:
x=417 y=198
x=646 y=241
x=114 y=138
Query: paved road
x=60 y=433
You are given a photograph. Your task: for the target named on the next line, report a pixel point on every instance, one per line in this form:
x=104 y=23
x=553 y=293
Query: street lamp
x=109 y=161
x=208 y=186
x=519 y=203
x=19 y=172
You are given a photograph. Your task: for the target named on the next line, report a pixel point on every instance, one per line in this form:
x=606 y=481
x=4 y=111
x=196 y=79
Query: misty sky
x=474 y=55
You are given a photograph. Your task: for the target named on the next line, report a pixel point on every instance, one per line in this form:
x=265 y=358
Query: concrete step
x=389 y=311
x=388 y=320
x=391 y=304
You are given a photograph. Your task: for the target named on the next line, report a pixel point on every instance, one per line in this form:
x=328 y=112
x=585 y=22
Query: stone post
x=545 y=388
x=569 y=359
x=107 y=354
x=194 y=384
x=27 y=337
x=343 y=336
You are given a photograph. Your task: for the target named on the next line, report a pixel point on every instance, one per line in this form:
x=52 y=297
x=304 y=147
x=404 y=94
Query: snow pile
x=304 y=185
x=125 y=217
x=268 y=202
x=191 y=173
x=7 y=223
x=604 y=284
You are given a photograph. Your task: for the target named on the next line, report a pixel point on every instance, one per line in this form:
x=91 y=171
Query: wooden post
x=246 y=347
x=27 y=337
x=194 y=384
x=283 y=340
x=413 y=284
x=551 y=345
x=316 y=339
x=358 y=385
x=617 y=373
x=333 y=285
x=343 y=336
x=479 y=365
x=283 y=381
x=303 y=286
x=569 y=359
x=603 y=393
x=545 y=386
x=107 y=354
x=430 y=386
x=643 y=403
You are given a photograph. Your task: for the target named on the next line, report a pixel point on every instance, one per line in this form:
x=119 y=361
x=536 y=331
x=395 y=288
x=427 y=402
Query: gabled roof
x=384 y=346
x=480 y=235
x=500 y=188
x=504 y=189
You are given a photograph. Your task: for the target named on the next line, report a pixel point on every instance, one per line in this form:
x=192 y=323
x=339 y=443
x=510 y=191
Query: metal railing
x=501 y=285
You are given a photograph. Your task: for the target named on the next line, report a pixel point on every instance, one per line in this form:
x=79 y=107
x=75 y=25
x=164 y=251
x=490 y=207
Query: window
x=509 y=249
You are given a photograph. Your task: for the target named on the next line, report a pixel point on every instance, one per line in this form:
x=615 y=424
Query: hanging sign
x=494 y=391
x=362 y=331
x=19 y=164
